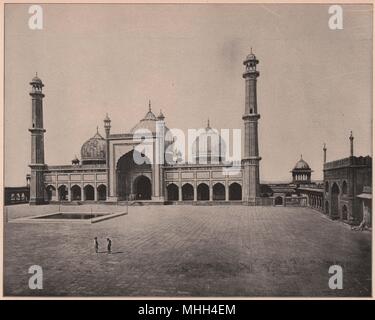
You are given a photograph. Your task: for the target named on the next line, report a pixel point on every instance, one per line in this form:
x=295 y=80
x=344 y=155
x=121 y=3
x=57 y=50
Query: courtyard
x=204 y=251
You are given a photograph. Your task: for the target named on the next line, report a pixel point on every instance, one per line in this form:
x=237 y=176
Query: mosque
x=107 y=171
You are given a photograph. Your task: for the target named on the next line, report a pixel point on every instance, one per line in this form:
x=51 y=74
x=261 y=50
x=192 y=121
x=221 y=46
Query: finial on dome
x=208 y=123
x=149 y=105
x=301 y=156
x=251 y=50
x=97 y=129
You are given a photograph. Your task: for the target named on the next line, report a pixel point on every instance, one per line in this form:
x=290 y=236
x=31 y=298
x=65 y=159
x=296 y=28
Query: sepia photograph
x=187 y=150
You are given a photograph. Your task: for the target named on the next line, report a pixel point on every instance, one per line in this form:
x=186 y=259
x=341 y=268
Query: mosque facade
x=108 y=171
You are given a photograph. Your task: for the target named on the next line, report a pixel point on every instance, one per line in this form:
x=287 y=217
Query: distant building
x=301 y=173
x=344 y=180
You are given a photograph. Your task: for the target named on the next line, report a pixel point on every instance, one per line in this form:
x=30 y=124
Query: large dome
x=209 y=147
x=301 y=165
x=93 y=151
x=147 y=123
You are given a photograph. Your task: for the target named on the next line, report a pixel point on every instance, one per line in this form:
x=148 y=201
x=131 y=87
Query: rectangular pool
x=69 y=216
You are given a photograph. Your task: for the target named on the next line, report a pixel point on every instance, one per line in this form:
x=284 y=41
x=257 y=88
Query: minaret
x=157 y=166
x=351 y=138
x=37 y=143
x=324 y=153
x=107 y=128
x=107 y=125
x=251 y=151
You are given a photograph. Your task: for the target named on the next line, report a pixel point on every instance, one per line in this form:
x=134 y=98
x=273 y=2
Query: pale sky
x=315 y=84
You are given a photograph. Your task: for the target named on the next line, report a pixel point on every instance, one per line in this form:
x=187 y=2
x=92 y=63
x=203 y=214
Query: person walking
x=109 y=245
x=96 y=244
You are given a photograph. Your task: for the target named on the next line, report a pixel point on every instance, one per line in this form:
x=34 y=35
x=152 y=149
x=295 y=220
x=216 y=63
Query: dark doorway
x=203 y=192
x=63 y=193
x=51 y=192
x=102 y=192
x=219 y=191
x=187 y=192
x=235 y=191
x=89 y=192
x=335 y=191
x=344 y=212
x=172 y=191
x=326 y=208
x=76 y=192
x=278 y=201
x=142 y=188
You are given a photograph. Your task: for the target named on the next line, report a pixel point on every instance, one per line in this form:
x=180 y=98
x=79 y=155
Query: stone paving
x=188 y=251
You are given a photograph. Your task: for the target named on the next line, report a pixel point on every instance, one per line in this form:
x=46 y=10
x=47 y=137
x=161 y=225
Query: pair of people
x=109 y=245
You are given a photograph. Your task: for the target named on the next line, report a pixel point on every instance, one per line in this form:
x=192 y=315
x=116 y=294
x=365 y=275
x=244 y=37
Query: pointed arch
x=76 y=193
x=218 y=192
x=89 y=192
x=63 y=192
x=235 y=191
x=203 y=192
x=51 y=192
x=102 y=192
x=187 y=192
x=172 y=192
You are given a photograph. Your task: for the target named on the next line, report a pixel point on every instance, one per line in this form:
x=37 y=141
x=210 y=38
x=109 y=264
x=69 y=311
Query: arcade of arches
x=77 y=193
x=203 y=192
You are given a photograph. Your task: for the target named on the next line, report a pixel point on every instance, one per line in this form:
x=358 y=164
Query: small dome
x=107 y=119
x=37 y=81
x=251 y=56
x=161 y=116
x=302 y=164
x=93 y=151
x=209 y=147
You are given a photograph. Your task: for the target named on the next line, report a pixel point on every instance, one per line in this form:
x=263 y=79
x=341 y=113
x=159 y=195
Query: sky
x=315 y=84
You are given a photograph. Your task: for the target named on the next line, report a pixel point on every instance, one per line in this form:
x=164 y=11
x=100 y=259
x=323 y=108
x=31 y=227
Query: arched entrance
x=235 y=191
x=172 y=192
x=344 y=212
x=102 y=192
x=63 y=193
x=76 y=193
x=126 y=170
x=278 y=201
x=142 y=188
x=218 y=191
x=203 y=192
x=51 y=192
x=335 y=191
x=187 y=192
x=89 y=192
